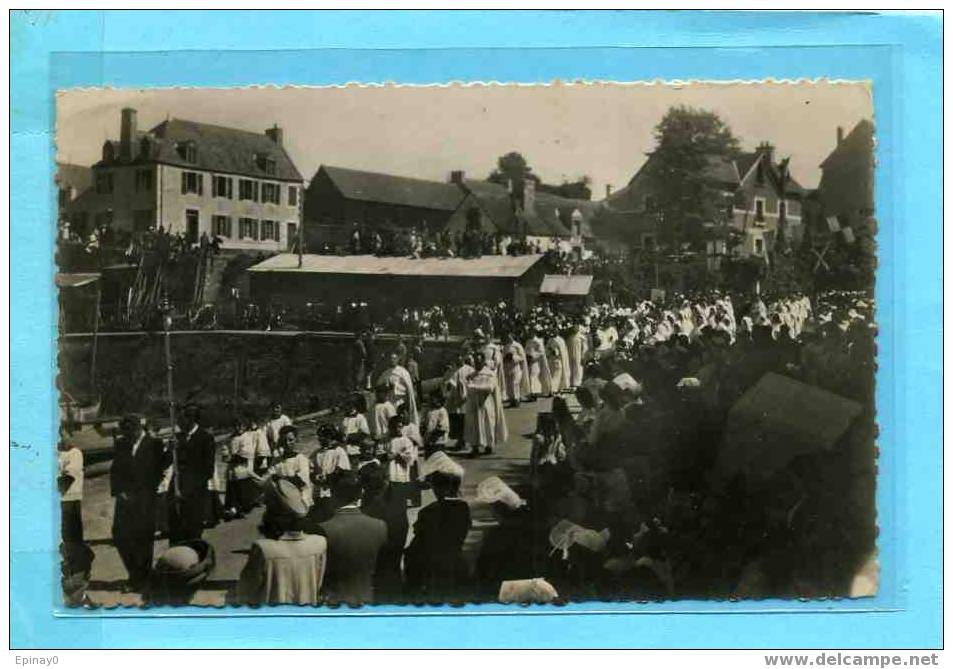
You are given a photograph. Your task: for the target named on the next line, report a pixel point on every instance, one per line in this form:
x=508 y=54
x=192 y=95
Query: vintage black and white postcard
x=467 y=343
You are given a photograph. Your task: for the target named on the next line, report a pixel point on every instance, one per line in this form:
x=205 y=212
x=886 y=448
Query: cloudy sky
x=564 y=131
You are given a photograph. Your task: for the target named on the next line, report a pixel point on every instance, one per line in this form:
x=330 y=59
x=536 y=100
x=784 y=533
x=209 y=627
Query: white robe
x=484 y=422
x=399 y=379
x=515 y=372
x=558 y=358
x=540 y=381
x=455 y=388
x=576 y=345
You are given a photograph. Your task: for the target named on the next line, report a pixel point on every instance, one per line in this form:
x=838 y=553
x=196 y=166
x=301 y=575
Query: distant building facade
x=846 y=189
x=762 y=198
x=195 y=179
x=340 y=198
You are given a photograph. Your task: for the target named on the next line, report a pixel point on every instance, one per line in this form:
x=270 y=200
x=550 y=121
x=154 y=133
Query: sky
x=564 y=130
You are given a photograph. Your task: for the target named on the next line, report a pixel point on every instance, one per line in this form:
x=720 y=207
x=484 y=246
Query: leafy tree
x=689 y=142
x=512 y=168
x=580 y=189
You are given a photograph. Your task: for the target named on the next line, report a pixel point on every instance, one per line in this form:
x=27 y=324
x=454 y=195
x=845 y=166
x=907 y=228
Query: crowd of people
x=422 y=242
x=619 y=501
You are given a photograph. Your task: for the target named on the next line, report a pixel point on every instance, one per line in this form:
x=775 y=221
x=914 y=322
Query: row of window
x=251 y=229
x=248 y=189
x=194 y=182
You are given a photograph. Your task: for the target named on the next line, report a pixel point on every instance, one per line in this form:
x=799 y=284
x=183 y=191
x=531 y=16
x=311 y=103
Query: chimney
x=457 y=177
x=608 y=190
x=840 y=135
x=127 y=133
x=768 y=149
x=275 y=134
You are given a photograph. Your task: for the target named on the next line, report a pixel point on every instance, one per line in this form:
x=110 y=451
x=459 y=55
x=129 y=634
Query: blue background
x=901 y=55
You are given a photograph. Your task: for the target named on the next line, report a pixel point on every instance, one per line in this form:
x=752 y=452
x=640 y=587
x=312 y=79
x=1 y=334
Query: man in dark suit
x=354 y=540
x=194 y=462
x=138 y=464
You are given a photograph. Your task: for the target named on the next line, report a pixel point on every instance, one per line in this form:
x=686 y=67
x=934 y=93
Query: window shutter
x=255 y=191
x=185 y=183
x=277 y=231
x=230 y=188
x=201 y=179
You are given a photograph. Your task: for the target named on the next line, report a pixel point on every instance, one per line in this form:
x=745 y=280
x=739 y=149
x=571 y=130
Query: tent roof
x=485 y=266
x=562 y=284
x=779 y=419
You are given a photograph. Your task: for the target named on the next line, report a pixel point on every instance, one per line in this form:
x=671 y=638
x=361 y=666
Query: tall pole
x=167 y=324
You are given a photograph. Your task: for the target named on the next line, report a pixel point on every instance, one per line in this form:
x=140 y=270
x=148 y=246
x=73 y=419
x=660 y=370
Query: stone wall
x=223 y=369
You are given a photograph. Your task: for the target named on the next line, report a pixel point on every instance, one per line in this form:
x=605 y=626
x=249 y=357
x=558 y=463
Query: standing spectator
x=354 y=540
x=137 y=468
x=195 y=460
x=70 y=484
x=436 y=571
x=287 y=566
x=383 y=501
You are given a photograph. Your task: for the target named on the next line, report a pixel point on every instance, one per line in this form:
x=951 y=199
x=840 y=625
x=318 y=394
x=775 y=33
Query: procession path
x=232 y=539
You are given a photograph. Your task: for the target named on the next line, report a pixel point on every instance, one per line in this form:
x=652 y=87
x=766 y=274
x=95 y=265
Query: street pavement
x=232 y=539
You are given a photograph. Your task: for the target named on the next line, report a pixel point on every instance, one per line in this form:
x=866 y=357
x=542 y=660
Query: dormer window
x=187 y=151
x=266 y=164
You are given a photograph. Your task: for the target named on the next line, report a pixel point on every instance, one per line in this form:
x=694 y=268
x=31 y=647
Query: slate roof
x=542 y=220
x=859 y=140
x=218 y=149
x=498 y=266
x=392 y=189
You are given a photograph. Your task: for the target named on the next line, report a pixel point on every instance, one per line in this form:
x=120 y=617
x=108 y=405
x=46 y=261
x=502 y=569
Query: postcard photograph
x=468 y=343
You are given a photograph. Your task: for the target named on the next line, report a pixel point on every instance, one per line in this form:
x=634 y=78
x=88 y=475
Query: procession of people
x=632 y=402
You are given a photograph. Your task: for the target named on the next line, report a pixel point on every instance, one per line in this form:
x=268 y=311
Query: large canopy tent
x=778 y=420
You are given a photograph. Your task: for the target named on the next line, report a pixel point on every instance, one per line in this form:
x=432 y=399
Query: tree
x=575 y=190
x=686 y=191
x=512 y=168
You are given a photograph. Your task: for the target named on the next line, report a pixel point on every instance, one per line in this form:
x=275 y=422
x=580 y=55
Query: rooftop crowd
x=619 y=500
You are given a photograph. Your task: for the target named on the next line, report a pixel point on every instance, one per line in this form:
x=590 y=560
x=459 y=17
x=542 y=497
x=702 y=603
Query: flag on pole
x=833 y=223
x=848 y=235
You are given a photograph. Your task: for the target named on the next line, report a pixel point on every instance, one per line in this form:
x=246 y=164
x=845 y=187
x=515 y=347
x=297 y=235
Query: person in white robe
x=576 y=345
x=558 y=358
x=515 y=370
x=537 y=363
x=484 y=421
x=402 y=387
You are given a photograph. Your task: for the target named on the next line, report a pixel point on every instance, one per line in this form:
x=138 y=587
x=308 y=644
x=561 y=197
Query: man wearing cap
x=193 y=467
x=138 y=464
x=287 y=566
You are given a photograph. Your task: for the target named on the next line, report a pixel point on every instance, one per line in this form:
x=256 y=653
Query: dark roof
x=542 y=220
x=860 y=139
x=218 y=149
x=392 y=189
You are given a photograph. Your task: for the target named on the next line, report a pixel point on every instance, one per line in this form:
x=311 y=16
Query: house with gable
x=762 y=203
